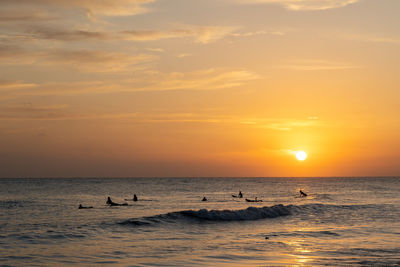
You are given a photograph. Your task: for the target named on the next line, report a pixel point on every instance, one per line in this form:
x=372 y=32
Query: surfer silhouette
x=135 y=197
x=111 y=203
x=82 y=207
x=240 y=195
x=204 y=199
x=302 y=194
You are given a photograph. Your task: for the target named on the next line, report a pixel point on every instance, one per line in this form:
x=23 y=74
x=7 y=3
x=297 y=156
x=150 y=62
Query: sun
x=301 y=155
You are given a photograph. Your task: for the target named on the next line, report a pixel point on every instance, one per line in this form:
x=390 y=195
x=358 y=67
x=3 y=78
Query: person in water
x=240 y=195
x=111 y=203
x=82 y=207
x=135 y=197
x=302 y=194
x=204 y=199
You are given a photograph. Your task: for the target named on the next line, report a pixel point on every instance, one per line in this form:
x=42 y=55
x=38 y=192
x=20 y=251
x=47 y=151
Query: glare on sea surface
x=301 y=155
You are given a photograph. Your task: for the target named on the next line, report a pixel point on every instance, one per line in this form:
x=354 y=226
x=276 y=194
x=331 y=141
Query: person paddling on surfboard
x=82 y=207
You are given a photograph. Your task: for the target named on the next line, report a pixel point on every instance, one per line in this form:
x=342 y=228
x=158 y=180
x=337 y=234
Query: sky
x=145 y=88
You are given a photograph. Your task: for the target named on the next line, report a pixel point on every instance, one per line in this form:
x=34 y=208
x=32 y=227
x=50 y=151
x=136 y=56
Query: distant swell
x=250 y=213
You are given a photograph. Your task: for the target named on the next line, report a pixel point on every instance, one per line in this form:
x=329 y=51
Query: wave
x=251 y=213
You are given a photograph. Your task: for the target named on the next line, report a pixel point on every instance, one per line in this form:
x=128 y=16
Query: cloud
x=212 y=79
x=24 y=16
x=83 y=60
x=91 y=7
x=183 y=55
x=96 y=61
x=282 y=124
x=371 y=38
x=202 y=34
x=249 y=34
x=65 y=35
x=311 y=65
x=304 y=4
x=28 y=111
x=14 y=85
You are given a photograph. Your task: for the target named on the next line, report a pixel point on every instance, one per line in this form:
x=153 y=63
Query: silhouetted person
x=302 y=194
x=204 y=199
x=135 y=197
x=111 y=203
x=82 y=207
x=240 y=195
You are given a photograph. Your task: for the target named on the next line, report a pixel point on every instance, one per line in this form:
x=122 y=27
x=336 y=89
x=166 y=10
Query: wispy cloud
x=212 y=79
x=255 y=33
x=14 y=85
x=304 y=4
x=66 y=35
x=183 y=55
x=95 y=61
x=24 y=16
x=202 y=34
x=311 y=65
x=29 y=111
x=282 y=124
x=98 y=7
x=371 y=38
x=83 y=60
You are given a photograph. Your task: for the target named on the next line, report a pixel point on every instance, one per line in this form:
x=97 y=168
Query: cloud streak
x=211 y=79
x=301 y=5
x=83 y=60
x=97 y=7
x=315 y=65
x=201 y=34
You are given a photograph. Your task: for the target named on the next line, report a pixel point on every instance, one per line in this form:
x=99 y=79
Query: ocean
x=341 y=222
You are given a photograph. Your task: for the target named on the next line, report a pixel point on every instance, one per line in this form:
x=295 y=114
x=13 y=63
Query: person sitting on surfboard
x=302 y=194
x=111 y=203
x=240 y=195
x=204 y=199
x=135 y=197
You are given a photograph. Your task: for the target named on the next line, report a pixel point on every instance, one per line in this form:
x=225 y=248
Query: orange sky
x=199 y=88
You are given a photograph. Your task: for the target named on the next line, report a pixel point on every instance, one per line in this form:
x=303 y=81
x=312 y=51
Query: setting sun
x=301 y=155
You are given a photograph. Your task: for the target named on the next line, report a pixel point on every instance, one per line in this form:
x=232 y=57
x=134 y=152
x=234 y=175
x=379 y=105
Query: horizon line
x=193 y=177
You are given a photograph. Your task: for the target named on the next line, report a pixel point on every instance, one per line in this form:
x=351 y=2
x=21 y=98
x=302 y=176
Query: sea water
x=342 y=221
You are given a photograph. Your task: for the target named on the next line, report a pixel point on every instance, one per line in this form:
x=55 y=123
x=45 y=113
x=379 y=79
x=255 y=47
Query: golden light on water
x=301 y=155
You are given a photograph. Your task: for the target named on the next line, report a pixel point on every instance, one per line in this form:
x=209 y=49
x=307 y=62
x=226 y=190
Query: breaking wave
x=251 y=213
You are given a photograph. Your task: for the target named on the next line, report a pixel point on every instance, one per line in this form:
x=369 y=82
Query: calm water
x=343 y=221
